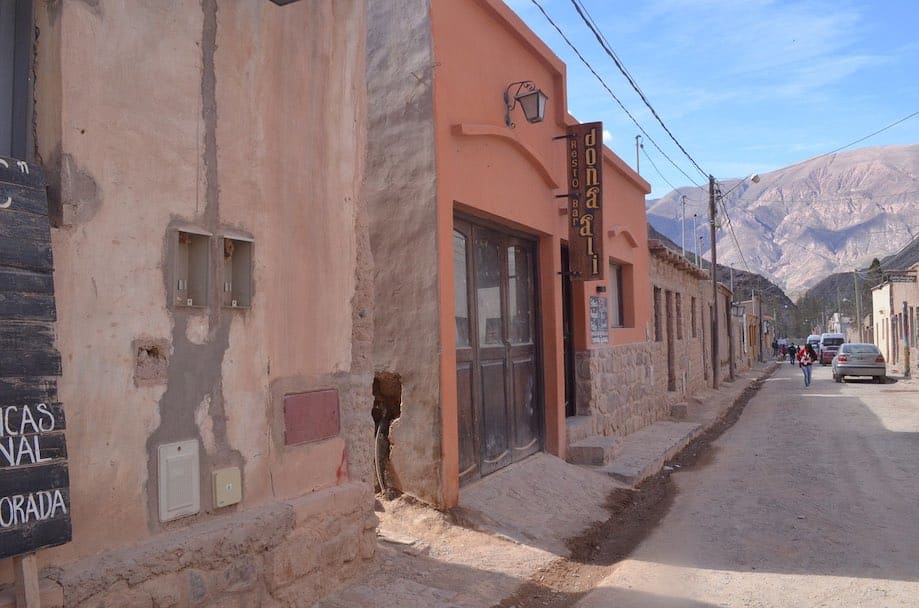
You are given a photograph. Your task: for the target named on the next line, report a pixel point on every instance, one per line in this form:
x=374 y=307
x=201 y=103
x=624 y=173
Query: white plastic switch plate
x=228 y=488
x=177 y=480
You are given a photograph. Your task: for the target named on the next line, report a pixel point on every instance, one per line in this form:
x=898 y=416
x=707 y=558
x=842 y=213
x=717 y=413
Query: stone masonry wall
x=691 y=339
x=627 y=387
x=285 y=554
x=622 y=388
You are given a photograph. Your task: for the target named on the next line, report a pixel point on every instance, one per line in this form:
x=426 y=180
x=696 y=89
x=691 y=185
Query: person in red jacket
x=806 y=359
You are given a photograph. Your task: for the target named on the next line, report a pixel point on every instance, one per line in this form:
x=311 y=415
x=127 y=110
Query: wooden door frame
x=467 y=225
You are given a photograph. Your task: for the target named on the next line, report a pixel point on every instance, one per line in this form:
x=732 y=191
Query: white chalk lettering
x=23 y=166
x=5 y=164
x=7 y=203
x=21 y=450
x=27 y=420
x=46 y=417
x=32 y=512
x=21 y=509
x=5 y=420
x=41 y=420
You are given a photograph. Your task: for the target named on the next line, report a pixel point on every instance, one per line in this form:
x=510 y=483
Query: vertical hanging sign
x=34 y=480
x=585 y=201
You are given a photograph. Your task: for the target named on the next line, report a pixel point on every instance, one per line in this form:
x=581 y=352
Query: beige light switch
x=228 y=487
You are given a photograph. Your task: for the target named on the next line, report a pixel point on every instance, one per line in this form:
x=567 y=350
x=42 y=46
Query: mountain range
x=833 y=213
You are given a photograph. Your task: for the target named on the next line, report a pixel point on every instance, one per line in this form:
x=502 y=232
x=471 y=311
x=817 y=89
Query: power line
x=608 y=90
x=702 y=202
x=881 y=130
x=733 y=236
x=666 y=181
x=612 y=55
x=827 y=200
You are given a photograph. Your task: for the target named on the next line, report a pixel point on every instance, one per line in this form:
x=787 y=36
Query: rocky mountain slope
x=832 y=213
x=837 y=291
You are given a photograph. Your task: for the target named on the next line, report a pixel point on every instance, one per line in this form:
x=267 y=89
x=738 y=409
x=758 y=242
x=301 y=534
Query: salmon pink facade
x=504 y=321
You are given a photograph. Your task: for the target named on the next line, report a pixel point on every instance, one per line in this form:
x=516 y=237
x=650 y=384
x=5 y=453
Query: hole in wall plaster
x=387 y=407
x=151 y=361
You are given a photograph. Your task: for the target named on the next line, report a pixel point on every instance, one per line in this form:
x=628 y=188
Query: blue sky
x=745 y=86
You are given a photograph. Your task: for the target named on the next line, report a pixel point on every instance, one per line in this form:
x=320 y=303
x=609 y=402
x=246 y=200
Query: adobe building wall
x=881 y=307
x=400 y=190
x=687 y=335
x=724 y=335
x=891 y=326
x=237 y=120
x=441 y=147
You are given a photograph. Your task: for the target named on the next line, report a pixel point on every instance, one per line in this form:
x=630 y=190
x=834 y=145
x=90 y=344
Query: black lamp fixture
x=532 y=100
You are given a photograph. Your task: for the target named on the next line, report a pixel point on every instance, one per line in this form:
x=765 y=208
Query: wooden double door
x=499 y=396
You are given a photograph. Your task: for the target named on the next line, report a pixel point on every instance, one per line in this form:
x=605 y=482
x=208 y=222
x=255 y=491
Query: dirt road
x=810 y=499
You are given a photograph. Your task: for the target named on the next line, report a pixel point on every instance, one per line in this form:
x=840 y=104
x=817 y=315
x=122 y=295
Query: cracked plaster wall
x=400 y=189
x=240 y=117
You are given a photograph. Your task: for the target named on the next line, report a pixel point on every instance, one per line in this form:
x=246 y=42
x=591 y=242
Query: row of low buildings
x=301 y=250
x=892 y=324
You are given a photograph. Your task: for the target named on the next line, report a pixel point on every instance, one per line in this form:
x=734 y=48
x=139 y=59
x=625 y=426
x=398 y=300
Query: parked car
x=827 y=340
x=827 y=353
x=857 y=359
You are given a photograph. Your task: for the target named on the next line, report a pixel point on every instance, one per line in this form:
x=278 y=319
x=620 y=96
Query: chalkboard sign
x=34 y=481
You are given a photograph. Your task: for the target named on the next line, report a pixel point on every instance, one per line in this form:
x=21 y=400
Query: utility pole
x=637 y=146
x=712 y=213
x=695 y=244
x=762 y=325
x=907 y=373
x=683 y=225
x=858 y=306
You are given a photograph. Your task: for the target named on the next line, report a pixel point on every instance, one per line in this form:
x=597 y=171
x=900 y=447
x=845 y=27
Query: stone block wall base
x=50 y=593
x=619 y=388
x=283 y=555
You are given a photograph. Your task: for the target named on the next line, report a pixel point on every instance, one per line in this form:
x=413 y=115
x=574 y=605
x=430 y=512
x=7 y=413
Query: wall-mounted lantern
x=531 y=100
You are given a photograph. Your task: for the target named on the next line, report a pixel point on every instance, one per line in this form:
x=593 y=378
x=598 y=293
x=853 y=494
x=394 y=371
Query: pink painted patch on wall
x=311 y=416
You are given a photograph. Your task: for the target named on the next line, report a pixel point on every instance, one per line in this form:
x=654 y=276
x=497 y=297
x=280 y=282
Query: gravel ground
x=811 y=499
x=798 y=497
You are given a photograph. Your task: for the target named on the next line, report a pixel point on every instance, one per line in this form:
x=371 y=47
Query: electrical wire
x=829 y=200
x=612 y=55
x=881 y=130
x=653 y=164
x=734 y=236
x=608 y=89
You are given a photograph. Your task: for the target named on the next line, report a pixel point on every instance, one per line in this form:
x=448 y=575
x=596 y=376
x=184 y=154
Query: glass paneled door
x=498 y=391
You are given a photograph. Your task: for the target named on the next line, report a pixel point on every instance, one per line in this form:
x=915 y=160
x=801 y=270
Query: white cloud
x=607 y=136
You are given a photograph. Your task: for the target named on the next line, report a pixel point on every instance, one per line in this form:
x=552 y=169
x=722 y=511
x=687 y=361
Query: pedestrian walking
x=806 y=358
x=792 y=353
x=775 y=349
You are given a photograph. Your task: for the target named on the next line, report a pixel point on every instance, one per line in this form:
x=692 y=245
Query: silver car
x=855 y=359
